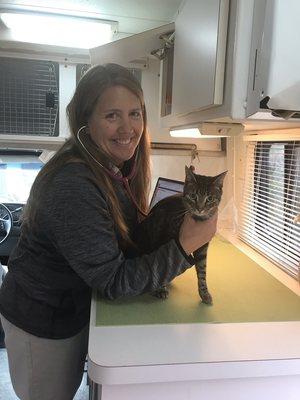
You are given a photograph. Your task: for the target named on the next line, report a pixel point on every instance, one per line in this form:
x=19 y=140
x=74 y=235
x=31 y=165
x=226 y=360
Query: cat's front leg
x=161 y=293
x=200 y=256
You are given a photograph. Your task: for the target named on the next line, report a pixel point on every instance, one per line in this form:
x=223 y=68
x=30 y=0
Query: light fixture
x=208 y=130
x=59 y=30
x=185 y=132
x=193 y=133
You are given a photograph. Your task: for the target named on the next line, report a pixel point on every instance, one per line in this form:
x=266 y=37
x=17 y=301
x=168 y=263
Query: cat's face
x=202 y=194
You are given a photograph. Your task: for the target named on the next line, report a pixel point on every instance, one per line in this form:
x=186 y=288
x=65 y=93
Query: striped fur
x=200 y=198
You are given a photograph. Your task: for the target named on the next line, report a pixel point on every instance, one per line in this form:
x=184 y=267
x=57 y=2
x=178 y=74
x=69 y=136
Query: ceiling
x=133 y=16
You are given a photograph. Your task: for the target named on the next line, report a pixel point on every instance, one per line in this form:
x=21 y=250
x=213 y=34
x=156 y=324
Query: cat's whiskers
x=181 y=214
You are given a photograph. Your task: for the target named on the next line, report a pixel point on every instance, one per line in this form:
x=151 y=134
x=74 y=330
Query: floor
x=7 y=392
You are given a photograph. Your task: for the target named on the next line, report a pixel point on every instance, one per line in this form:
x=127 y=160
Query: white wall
x=67 y=79
x=240 y=160
x=172 y=166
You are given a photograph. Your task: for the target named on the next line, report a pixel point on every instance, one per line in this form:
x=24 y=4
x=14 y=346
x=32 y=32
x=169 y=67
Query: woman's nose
x=125 y=125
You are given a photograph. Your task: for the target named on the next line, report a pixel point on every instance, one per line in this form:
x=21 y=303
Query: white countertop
x=180 y=352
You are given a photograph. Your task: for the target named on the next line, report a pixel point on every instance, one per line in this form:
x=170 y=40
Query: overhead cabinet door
x=274 y=78
x=133 y=51
x=199 y=55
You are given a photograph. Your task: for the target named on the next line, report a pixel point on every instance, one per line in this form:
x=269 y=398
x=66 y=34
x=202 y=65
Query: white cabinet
x=133 y=51
x=213 y=89
x=275 y=56
x=228 y=56
x=219 y=78
x=199 y=55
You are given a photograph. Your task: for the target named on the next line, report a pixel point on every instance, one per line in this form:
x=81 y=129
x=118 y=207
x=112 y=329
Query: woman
x=75 y=237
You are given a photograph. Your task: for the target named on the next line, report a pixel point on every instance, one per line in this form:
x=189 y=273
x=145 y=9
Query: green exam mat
x=241 y=290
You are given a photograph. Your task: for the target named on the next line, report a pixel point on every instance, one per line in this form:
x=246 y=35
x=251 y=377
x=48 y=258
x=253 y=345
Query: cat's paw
x=161 y=293
x=206 y=298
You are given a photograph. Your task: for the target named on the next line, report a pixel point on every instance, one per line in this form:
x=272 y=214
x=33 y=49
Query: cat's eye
x=193 y=196
x=209 y=198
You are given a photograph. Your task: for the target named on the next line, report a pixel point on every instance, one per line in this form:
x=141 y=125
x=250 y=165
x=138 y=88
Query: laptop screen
x=165 y=188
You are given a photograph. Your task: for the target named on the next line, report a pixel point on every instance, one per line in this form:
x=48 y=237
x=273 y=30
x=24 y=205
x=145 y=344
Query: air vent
x=81 y=70
x=28 y=97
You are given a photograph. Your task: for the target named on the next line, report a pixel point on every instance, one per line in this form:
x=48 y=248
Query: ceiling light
x=193 y=133
x=54 y=29
x=208 y=130
x=188 y=133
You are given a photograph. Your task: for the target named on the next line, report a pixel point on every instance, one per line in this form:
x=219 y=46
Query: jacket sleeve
x=84 y=234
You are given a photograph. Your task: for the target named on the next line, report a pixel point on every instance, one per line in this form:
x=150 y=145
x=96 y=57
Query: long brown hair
x=89 y=89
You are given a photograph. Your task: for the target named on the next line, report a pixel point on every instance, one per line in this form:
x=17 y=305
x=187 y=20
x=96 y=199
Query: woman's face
x=116 y=124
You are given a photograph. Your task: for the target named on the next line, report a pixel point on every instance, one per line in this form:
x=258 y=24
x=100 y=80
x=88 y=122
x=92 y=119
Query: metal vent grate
x=81 y=70
x=28 y=97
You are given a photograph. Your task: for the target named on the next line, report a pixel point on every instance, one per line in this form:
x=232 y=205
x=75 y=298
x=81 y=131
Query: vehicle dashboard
x=10 y=242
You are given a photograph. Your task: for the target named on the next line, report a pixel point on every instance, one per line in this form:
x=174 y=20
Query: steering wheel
x=6 y=222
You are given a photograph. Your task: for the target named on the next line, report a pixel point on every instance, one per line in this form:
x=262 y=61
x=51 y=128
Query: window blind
x=271 y=201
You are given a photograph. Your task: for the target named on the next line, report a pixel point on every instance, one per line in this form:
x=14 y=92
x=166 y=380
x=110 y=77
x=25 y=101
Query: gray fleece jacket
x=73 y=249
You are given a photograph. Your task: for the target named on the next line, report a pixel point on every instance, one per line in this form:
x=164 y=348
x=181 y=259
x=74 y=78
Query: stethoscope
x=123 y=179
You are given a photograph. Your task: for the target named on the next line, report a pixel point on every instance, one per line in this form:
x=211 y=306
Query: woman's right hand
x=194 y=234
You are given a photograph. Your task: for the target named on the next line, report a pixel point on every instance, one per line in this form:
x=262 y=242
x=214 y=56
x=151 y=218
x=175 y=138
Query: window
x=271 y=202
x=17 y=173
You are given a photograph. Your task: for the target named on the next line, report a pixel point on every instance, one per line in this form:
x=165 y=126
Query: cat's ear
x=219 y=179
x=189 y=175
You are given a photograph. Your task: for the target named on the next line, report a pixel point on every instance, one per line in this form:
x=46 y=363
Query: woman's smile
x=123 y=142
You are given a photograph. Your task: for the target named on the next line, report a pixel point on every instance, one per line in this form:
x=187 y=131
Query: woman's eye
x=136 y=114
x=111 y=116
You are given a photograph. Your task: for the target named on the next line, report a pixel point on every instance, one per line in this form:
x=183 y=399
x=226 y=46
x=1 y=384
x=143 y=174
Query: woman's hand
x=194 y=234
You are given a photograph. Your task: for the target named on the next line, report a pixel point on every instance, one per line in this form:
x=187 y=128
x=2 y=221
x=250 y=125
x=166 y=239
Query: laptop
x=165 y=188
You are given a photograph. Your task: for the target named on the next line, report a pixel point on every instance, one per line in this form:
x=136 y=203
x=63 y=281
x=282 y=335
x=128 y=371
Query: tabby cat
x=201 y=197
